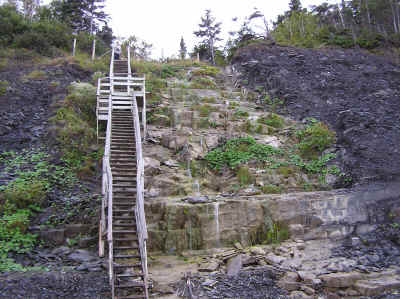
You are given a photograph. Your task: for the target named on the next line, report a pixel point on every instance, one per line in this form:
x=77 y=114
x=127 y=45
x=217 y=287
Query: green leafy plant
x=203 y=83
x=273 y=120
x=238 y=151
x=14 y=238
x=315 y=138
x=277 y=233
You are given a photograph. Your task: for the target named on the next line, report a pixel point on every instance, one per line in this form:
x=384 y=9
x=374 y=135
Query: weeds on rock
x=273 y=120
x=244 y=176
x=3 y=87
x=75 y=129
x=203 y=83
x=206 y=70
x=315 y=138
x=36 y=75
x=271 y=189
x=238 y=151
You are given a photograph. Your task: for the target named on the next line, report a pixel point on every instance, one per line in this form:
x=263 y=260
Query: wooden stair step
x=122 y=205
x=125 y=225
x=123 y=211
x=130 y=285
x=129 y=275
x=132 y=297
x=127 y=256
x=124 y=231
x=126 y=239
x=119 y=266
x=121 y=197
x=126 y=248
x=124 y=218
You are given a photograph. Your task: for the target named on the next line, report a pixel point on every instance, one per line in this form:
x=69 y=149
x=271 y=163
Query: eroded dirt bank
x=356 y=93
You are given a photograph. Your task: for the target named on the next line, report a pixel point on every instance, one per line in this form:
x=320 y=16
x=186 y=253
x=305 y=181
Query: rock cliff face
x=177 y=226
x=357 y=94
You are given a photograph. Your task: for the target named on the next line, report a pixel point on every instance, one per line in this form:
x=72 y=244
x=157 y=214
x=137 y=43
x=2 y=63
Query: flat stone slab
x=341 y=280
x=372 y=287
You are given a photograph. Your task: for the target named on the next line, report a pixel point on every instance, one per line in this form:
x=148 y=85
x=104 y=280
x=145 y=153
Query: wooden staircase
x=123 y=220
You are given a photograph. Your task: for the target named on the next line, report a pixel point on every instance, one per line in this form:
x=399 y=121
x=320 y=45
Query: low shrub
x=75 y=124
x=205 y=110
x=3 y=87
x=36 y=75
x=202 y=83
x=271 y=189
x=13 y=238
x=239 y=151
x=315 y=138
x=273 y=120
x=244 y=176
x=206 y=70
x=21 y=193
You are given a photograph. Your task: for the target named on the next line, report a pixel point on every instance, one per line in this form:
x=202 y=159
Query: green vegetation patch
x=272 y=120
x=36 y=75
x=14 y=238
x=315 y=138
x=204 y=110
x=34 y=177
x=75 y=124
x=3 y=87
x=203 y=83
x=244 y=176
x=238 y=151
x=206 y=70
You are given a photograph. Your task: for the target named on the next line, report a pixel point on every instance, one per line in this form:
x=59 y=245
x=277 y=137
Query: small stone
x=81 y=255
x=238 y=246
x=289 y=281
x=296 y=230
x=307 y=277
x=257 y=251
x=299 y=295
x=234 y=265
x=307 y=290
x=209 y=267
x=341 y=280
x=274 y=259
x=63 y=250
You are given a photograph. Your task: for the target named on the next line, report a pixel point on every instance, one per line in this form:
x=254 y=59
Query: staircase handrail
x=140 y=214
x=108 y=179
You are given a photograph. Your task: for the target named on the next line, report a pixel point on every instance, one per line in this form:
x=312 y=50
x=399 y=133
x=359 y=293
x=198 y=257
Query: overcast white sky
x=163 y=22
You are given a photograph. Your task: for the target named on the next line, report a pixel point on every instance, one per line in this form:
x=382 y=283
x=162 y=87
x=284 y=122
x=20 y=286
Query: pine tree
x=182 y=49
x=295 y=5
x=81 y=15
x=209 y=31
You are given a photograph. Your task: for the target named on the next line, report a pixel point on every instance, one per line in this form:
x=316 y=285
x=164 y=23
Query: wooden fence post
x=74 y=47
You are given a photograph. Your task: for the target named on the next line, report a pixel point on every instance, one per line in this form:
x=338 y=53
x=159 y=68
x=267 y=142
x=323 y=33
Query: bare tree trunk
x=341 y=16
x=395 y=25
x=368 y=14
x=212 y=51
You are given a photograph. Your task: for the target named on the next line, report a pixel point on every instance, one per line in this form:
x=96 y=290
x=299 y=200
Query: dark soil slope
x=357 y=94
x=27 y=102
